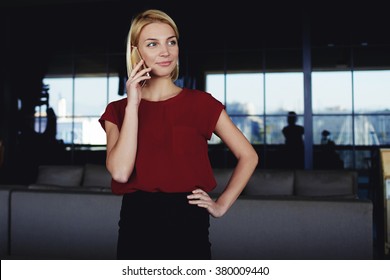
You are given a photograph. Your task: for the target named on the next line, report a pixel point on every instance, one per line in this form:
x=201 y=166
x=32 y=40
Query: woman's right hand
x=135 y=83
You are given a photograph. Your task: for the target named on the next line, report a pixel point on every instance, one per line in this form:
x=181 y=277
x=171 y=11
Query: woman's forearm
x=241 y=174
x=121 y=156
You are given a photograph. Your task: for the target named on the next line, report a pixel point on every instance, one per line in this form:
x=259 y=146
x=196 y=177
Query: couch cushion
x=341 y=183
x=222 y=176
x=293 y=229
x=64 y=225
x=96 y=175
x=60 y=175
x=270 y=182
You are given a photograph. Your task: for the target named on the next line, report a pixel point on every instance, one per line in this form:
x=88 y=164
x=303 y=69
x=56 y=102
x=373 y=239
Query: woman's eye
x=172 y=43
x=152 y=44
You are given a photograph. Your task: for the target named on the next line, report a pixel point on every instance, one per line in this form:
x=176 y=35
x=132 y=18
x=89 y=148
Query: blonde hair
x=137 y=24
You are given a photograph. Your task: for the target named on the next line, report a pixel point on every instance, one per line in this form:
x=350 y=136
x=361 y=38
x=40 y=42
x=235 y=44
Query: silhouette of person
x=330 y=158
x=293 y=135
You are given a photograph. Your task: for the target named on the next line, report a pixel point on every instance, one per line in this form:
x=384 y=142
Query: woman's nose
x=164 y=51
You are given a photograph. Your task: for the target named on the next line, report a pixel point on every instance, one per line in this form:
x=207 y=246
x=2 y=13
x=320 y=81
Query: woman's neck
x=159 y=90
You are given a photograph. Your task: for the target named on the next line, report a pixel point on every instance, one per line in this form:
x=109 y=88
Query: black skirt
x=162 y=226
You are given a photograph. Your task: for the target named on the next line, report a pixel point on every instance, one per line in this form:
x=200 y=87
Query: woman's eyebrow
x=155 y=39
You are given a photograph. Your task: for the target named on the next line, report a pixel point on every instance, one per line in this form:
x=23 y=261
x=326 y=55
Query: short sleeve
x=114 y=113
x=211 y=109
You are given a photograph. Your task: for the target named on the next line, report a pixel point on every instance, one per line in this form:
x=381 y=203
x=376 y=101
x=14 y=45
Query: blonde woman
x=157 y=151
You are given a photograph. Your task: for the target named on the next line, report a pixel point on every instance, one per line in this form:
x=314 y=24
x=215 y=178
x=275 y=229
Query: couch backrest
x=60 y=175
x=340 y=183
x=286 y=182
x=96 y=175
x=222 y=176
x=262 y=182
x=270 y=182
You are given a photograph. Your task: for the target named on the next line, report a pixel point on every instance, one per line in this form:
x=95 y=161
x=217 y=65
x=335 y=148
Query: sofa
x=70 y=213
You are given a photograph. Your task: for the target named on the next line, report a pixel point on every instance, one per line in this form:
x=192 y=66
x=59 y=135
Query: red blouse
x=172 y=153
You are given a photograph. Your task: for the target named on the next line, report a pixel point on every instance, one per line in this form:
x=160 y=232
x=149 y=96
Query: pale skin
x=159 y=48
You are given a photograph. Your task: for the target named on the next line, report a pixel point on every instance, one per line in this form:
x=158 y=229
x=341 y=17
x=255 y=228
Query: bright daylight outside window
x=255 y=102
x=78 y=112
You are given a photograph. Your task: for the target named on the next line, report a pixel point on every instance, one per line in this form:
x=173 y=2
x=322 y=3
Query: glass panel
x=244 y=94
x=251 y=127
x=344 y=135
x=284 y=92
x=244 y=83
x=118 y=77
x=274 y=127
x=61 y=100
x=214 y=140
x=90 y=96
x=348 y=158
x=113 y=90
x=215 y=84
x=381 y=128
x=89 y=131
x=86 y=129
x=363 y=158
x=332 y=92
x=60 y=95
x=372 y=91
x=365 y=133
x=339 y=128
x=65 y=129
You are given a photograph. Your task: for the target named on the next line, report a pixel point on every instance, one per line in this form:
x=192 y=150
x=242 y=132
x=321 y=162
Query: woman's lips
x=164 y=63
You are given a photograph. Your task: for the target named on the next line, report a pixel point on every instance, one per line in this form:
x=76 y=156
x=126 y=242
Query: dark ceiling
x=88 y=25
x=37 y=30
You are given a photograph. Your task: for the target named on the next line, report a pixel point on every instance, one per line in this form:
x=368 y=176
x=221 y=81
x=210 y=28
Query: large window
x=353 y=106
x=78 y=103
x=243 y=99
x=258 y=103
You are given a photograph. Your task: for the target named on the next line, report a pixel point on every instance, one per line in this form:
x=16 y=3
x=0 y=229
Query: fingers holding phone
x=137 y=79
x=140 y=71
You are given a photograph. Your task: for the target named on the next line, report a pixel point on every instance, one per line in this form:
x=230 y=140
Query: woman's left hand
x=200 y=198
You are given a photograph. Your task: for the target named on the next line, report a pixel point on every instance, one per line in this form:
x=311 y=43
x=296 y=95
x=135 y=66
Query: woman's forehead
x=157 y=30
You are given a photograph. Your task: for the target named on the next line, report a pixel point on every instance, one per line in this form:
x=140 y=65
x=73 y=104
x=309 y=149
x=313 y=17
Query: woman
x=157 y=151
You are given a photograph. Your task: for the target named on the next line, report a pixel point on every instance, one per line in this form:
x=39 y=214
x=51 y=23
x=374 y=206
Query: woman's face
x=159 y=48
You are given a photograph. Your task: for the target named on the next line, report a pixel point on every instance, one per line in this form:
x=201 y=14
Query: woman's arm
x=122 y=145
x=247 y=160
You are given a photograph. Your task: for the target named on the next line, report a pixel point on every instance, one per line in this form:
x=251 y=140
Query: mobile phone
x=136 y=58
